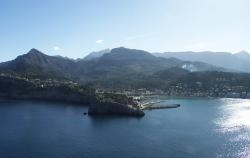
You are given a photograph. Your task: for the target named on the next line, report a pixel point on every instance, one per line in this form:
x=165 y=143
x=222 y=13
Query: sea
x=199 y=128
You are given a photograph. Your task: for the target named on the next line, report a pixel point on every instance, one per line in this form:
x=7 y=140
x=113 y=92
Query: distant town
x=179 y=90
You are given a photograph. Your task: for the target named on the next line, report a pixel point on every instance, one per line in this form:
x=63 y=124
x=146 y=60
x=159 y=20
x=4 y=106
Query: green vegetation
x=112 y=97
x=16 y=87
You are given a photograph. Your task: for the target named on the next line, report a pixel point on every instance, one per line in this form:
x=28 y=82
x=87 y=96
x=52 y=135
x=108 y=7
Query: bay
x=201 y=127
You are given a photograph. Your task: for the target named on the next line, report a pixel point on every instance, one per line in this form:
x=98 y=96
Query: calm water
x=199 y=128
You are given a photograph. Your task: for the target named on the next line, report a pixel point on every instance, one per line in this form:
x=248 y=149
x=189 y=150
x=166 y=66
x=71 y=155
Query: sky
x=73 y=28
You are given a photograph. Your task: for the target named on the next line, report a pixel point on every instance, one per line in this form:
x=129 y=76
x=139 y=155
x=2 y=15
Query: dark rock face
x=112 y=108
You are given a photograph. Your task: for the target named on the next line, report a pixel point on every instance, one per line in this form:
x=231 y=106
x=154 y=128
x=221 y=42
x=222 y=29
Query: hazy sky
x=75 y=27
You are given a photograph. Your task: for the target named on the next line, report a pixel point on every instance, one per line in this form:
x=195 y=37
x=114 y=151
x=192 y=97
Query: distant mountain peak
x=126 y=54
x=35 y=51
x=33 y=56
x=32 y=53
x=119 y=51
x=128 y=51
x=124 y=49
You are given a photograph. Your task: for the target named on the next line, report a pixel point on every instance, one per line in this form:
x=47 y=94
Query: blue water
x=199 y=128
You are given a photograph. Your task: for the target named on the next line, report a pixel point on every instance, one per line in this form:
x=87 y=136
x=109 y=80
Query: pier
x=156 y=105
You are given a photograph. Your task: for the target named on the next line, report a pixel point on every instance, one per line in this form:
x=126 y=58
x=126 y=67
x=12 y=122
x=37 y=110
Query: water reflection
x=234 y=121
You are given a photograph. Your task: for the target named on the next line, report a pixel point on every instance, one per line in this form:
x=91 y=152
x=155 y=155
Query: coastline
x=147 y=100
x=189 y=97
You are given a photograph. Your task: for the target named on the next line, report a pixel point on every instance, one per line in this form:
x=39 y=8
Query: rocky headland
x=113 y=108
x=16 y=87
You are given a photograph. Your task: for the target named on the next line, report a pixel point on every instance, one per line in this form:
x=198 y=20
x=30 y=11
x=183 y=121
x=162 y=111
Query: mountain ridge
x=118 y=62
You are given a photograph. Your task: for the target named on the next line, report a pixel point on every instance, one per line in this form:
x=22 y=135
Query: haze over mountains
x=239 y=61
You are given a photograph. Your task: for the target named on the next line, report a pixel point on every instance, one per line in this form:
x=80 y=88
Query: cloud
x=99 y=41
x=56 y=48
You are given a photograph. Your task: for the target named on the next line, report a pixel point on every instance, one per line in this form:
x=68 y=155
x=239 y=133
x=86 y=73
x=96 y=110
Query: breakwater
x=157 y=105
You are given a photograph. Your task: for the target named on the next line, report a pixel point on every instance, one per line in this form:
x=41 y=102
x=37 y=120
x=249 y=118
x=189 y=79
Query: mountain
x=39 y=64
x=97 y=54
x=238 y=61
x=119 y=62
x=139 y=61
x=123 y=61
